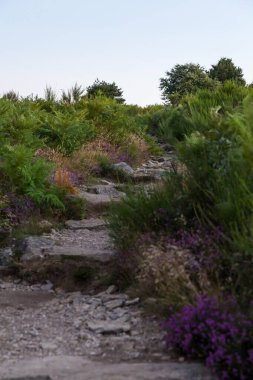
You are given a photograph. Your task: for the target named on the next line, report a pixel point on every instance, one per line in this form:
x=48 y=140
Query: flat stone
x=100 y=201
x=29 y=378
x=89 y=224
x=78 y=368
x=101 y=196
x=108 y=327
x=132 y=302
x=114 y=304
x=92 y=244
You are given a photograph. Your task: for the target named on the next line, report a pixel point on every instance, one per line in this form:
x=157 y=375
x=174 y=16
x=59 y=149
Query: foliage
x=225 y=70
x=27 y=175
x=109 y=90
x=212 y=186
x=182 y=80
x=74 y=95
x=220 y=334
x=170 y=124
x=75 y=207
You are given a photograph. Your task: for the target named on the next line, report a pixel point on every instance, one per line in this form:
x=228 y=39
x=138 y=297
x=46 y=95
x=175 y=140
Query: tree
x=225 y=70
x=110 y=90
x=182 y=80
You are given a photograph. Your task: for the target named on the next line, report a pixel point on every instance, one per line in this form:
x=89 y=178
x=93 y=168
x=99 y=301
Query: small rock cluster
x=38 y=321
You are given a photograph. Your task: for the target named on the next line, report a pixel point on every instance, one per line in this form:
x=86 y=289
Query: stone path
x=49 y=334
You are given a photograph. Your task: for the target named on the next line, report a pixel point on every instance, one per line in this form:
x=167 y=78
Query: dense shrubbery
x=205 y=209
x=77 y=135
x=219 y=334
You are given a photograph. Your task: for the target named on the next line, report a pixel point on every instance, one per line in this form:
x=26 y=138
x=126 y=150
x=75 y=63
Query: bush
x=27 y=175
x=220 y=334
x=212 y=187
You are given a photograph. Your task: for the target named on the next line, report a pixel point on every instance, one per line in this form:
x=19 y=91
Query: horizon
x=132 y=44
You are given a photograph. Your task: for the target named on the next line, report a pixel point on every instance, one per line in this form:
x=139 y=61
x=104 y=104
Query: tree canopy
x=225 y=70
x=184 y=79
x=110 y=90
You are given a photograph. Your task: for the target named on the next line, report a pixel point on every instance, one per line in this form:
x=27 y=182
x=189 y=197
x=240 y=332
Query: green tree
x=182 y=80
x=110 y=90
x=225 y=70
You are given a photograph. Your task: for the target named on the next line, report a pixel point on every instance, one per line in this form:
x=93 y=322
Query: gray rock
x=47 y=286
x=29 y=378
x=79 y=368
x=108 y=327
x=33 y=246
x=112 y=289
x=90 y=244
x=124 y=167
x=114 y=304
x=48 y=346
x=132 y=302
x=89 y=224
x=99 y=201
x=6 y=256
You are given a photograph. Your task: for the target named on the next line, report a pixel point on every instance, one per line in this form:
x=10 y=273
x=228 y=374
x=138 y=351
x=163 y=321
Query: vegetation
x=190 y=78
x=110 y=90
x=187 y=241
x=192 y=236
x=183 y=79
x=50 y=145
x=225 y=70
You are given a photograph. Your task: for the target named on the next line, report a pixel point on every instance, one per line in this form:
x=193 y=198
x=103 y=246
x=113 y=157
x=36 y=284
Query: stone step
x=89 y=224
x=91 y=244
x=79 y=368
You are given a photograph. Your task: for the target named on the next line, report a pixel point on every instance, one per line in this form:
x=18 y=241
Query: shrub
x=75 y=207
x=27 y=175
x=220 y=334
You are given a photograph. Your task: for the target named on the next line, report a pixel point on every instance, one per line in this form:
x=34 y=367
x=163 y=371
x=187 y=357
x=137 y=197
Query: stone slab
x=78 y=368
x=89 y=224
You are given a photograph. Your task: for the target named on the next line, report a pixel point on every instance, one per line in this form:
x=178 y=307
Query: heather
x=216 y=332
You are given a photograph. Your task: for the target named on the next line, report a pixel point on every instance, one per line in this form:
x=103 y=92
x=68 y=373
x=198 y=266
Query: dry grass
x=165 y=273
x=62 y=179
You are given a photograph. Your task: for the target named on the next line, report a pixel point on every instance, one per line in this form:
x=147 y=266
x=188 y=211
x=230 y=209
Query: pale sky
x=131 y=42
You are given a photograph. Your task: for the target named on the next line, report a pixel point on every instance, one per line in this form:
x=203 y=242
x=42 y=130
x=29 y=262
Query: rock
x=101 y=196
x=47 y=286
x=141 y=176
x=114 y=304
x=6 y=256
x=48 y=346
x=132 y=302
x=124 y=167
x=91 y=244
x=111 y=289
x=33 y=246
x=29 y=378
x=63 y=367
x=108 y=327
x=89 y=224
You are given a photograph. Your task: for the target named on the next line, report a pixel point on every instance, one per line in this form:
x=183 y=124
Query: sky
x=59 y=43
